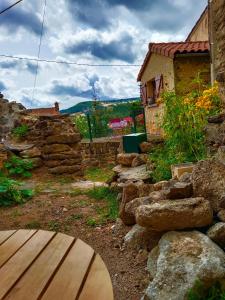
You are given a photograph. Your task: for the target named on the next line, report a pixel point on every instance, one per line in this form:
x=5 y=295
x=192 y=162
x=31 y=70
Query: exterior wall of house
x=218 y=39
x=157 y=65
x=201 y=30
x=186 y=68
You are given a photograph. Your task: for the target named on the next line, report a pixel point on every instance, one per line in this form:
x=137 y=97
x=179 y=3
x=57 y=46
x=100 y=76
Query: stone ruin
x=51 y=141
x=9 y=115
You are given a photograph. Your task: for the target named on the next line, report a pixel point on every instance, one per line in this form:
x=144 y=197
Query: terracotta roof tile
x=171 y=49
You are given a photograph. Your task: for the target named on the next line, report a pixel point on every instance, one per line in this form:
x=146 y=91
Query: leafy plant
x=91 y=222
x=200 y=292
x=99 y=174
x=184 y=120
x=20 y=131
x=17 y=166
x=11 y=192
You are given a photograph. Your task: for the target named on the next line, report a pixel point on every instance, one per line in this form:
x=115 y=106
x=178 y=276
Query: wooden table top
x=37 y=264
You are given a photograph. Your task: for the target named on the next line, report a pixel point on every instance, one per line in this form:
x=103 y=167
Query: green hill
x=86 y=105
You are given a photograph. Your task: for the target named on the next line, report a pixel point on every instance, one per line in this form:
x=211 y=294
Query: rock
x=66 y=169
x=175 y=214
x=66 y=162
x=3 y=155
x=126 y=159
x=179 y=190
x=180 y=169
x=63 y=156
x=131 y=207
x=30 y=153
x=181 y=259
x=152 y=262
x=87 y=185
x=135 y=174
x=220 y=118
x=118 y=228
x=220 y=155
x=64 y=139
x=15 y=147
x=161 y=185
x=221 y=215
x=55 y=148
x=144 y=189
x=209 y=181
x=145 y=147
x=130 y=192
x=137 y=161
x=37 y=162
x=141 y=238
x=186 y=177
x=157 y=196
x=217 y=234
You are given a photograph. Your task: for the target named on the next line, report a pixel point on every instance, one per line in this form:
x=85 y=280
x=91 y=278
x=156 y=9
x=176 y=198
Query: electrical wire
x=11 y=6
x=68 y=62
x=39 y=48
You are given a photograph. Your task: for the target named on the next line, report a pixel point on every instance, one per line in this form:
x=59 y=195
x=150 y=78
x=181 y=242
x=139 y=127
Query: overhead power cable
x=39 y=48
x=68 y=62
x=9 y=7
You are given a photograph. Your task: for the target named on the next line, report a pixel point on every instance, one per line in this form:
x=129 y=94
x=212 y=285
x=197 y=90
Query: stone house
x=172 y=67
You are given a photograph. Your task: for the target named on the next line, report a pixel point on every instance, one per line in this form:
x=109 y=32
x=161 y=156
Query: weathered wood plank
x=21 y=260
x=69 y=278
x=98 y=285
x=11 y=245
x=4 y=235
x=33 y=282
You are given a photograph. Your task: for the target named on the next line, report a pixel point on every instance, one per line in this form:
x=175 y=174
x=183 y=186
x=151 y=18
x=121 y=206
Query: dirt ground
x=53 y=208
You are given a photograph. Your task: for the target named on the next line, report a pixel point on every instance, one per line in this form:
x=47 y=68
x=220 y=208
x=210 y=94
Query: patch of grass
x=20 y=131
x=92 y=222
x=76 y=192
x=110 y=197
x=33 y=225
x=54 y=225
x=81 y=203
x=74 y=217
x=99 y=174
x=201 y=292
x=16 y=213
x=65 y=180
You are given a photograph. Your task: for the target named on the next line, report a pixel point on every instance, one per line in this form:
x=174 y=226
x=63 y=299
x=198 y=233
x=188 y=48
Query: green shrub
x=200 y=292
x=17 y=166
x=20 y=131
x=11 y=192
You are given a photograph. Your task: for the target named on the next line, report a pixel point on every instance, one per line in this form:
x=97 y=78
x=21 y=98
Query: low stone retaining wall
x=99 y=153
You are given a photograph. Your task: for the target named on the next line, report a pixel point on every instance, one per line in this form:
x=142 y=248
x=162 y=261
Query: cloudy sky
x=92 y=32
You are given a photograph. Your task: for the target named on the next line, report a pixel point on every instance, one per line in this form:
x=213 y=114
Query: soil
x=56 y=208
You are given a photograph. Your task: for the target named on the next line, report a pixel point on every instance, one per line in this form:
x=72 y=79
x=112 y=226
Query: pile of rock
x=9 y=115
x=194 y=202
x=51 y=141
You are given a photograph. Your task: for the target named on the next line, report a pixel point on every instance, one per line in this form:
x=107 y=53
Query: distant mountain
x=86 y=105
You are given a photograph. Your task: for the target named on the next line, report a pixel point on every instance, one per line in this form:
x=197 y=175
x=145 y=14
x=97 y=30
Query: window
x=154 y=88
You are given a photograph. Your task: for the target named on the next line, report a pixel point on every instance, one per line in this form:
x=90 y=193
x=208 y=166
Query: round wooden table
x=37 y=264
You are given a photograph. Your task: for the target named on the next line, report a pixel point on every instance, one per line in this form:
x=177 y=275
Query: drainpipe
x=211 y=40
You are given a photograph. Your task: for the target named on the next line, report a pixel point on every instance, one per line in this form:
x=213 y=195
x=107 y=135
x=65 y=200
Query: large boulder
x=126 y=159
x=180 y=260
x=217 y=234
x=138 y=161
x=134 y=174
x=130 y=192
x=209 y=182
x=131 y=207
x=175 y=214
x=146 y=147
x=141 y=238
x=30 y=153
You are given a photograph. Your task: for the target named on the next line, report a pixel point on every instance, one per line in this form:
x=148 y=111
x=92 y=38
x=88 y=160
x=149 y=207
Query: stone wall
x=9 y=115
x=186 y=70
x=218 y=39
x=99 y=153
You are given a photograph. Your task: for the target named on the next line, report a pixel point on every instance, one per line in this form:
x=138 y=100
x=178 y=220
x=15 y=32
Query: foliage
x=20 y=131
x=101 y=115
x=200 y=292
x=185 y=118
x=104 y=193
x=99 y=174
x=11 y=192
x=17 y=166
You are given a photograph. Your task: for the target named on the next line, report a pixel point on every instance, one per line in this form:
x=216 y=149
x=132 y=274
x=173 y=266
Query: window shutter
x=144 y=97
x=158 y=85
